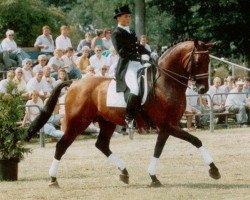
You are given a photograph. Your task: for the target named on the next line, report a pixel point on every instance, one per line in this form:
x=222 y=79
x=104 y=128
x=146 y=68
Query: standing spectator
x=70 y=64
x=45 y=42
x=237 y=103
x=4 y=82
x=63 y=41
x=56 y=62
x=50 y=81
x=106 y=40
x=85 y=42
x=144 y=42
x=32 y=112
x=97 y=40
x=21 y=84
x=27 y=70
x=83 y=61
x=36 y=83
x=42 y=61
x=98 y=60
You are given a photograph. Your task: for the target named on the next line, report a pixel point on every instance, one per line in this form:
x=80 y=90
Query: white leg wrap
x=152 y=166
x=54 y=167
x=206 y=156
x=117 y=162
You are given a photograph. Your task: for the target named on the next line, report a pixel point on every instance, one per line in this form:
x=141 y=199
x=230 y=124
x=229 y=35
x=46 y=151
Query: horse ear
x=210 y=45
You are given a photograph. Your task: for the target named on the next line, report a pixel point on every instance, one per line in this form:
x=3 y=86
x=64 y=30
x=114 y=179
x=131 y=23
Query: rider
x=129 y=49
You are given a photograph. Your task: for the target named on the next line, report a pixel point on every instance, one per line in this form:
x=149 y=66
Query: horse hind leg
x=71 y=132
x=181 y=134
x=102 y=143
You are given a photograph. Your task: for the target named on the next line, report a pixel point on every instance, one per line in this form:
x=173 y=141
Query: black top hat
x=121 y=11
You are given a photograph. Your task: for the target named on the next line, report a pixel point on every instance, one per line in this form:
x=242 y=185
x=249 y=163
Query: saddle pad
x=116 y=99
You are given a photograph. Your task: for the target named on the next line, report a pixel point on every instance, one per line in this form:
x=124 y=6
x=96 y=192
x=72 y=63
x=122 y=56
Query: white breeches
x=131 y=76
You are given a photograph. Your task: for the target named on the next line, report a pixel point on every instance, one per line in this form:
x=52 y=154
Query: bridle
x=191 y=64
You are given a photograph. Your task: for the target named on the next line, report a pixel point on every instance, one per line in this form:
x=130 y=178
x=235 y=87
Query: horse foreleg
x=179 y=133
x=71 y=132
x=102 y=143
x=160 y=143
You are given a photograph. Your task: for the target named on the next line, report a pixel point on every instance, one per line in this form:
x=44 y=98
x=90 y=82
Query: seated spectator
x=237 y=103
x=103 y=72
x=144 y=42
x=56 y=62
x=112 y=61
x=218 y=101
x=246 y=87
x=42 y=61
x=8 y=44
x=50 y=81
x=62 y=76
x=27 y=70
x=226 y=88
x=5 y=61
x=83 y=43
x=97 y=40
x=32 y=112
x=70 y=64
x=98 y=60
x=4 y=82
x=63 y=41
x=90 y=71
x=21 y=84
x=45 y=42
x=38 y=84
x=83 y=61
x=106 y=40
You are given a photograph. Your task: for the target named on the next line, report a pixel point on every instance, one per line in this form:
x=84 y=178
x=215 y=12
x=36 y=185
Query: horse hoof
x=155 y=184
x=214 y=173
x=54 y=184
x=124 y=178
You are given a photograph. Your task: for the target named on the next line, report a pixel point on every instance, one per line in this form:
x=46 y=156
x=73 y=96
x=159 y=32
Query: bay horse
x=86 y=102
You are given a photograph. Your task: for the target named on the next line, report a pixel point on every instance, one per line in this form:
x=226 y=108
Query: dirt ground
x=85 y=173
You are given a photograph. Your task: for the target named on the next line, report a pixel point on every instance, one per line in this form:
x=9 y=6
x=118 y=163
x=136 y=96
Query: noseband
x=192 y=64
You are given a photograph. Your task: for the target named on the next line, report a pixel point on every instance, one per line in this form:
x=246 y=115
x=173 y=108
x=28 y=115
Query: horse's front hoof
x=214 y=173
x=54 y=184
x=155 y=184
x=124 y=178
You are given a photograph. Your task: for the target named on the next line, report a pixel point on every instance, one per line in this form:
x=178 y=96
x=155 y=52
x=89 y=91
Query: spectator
x=90 y=71
x=5 y=60
x=98 y=60
x=70 y=64
x=106 y=40
x=246 y=87
x=103 y=72
x=56 y=62
x=237 y=103
x=38 y=84
x=97 y=40
x=4 y=82
x=84 y=42
x=21 y=84
x=144 y=42
x=226 y=88
x=45 y=42
x=83 y=61
x=63 y=41
x=42 y=61
x=62 y=76
x=27 y=70
x=112 y=61
x=32 y=112
x=50 y=81
x=8 y=44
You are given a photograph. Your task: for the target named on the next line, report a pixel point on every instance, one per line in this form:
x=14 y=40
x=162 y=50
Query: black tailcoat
x=128 y=48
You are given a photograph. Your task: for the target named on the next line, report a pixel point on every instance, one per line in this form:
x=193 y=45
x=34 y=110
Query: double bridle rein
x=190 y=62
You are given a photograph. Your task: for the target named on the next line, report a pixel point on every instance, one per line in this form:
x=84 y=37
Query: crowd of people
x=229 y=97
x=57 y=61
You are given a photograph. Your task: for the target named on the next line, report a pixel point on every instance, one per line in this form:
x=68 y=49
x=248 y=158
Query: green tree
x=26 y=18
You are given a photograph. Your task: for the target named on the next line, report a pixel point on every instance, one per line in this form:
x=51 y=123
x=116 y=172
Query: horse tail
x=47 y=110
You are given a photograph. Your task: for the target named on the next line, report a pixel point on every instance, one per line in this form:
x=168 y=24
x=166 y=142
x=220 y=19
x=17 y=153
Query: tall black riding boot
x=133 y=105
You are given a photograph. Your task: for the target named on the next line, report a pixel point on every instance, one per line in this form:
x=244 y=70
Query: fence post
x=42 y=138
x=211 y=115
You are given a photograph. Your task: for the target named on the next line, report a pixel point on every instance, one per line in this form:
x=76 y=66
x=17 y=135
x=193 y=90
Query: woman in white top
x=27 y=70
x=21 y=84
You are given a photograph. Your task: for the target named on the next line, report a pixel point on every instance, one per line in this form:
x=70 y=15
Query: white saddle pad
x=116 y=99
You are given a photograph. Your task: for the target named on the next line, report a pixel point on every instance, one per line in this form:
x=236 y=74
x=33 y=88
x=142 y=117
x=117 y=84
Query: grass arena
x=85 y=173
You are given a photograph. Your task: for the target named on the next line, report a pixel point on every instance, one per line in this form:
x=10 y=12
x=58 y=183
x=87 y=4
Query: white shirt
x=219 y=99
x=27 y=75
x=37 y=68
x=8 y=45
x=34 y=111
x=33 y=84
x=98 y=63
x=107 y=43
x=56 y=61
x=43 y=40
x=50 y=83
x=63 y=42
x=235 y=99
x=124 y=27
x=3 y=85
x=21 y=84
x=69 y=62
